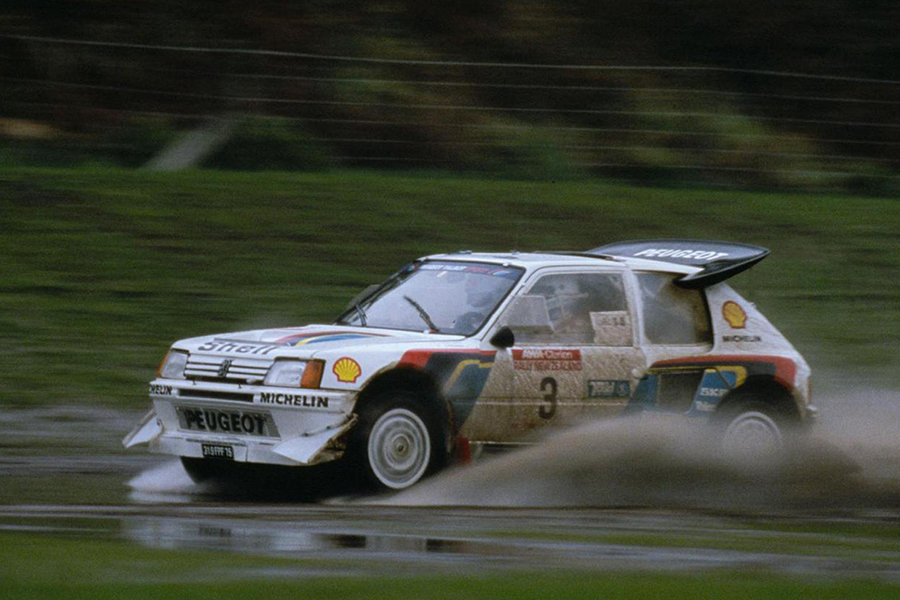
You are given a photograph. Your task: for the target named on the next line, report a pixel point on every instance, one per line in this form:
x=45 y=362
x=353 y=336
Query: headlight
x=295 y=373
x=172 y=366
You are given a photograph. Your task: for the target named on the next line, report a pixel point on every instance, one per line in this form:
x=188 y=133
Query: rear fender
x=767 y=389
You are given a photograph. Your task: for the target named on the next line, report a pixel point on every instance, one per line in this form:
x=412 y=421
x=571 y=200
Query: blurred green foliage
x=103 y=268
x=259 y=143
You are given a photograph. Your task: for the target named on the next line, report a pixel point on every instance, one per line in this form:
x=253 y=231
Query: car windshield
x=437 y=296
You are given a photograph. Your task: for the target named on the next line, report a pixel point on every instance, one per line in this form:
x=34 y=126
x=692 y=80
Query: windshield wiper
x=422 y=313
x=361 y=313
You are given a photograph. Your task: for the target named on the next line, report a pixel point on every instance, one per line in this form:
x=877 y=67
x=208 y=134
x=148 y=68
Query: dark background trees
x=766 y=93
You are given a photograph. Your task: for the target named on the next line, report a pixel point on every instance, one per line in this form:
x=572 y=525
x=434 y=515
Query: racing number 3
x=548 y=386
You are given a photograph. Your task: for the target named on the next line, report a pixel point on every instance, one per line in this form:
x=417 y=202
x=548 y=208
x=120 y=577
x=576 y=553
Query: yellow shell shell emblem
x=346 y=370
x=734 y=314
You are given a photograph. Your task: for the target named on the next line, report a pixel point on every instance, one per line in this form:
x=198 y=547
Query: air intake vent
x=226 y=370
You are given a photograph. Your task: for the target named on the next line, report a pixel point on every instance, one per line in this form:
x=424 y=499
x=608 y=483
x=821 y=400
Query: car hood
x=307 y=340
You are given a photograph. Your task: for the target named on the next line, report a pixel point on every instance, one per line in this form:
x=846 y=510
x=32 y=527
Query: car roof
x=537 y=260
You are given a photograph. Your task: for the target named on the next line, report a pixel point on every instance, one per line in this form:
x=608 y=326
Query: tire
x=752 y=429
x=398 y=441
x=200 y=469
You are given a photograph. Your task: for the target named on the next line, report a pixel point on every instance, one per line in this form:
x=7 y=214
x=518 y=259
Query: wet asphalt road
x=64 y=474
x=379 y=540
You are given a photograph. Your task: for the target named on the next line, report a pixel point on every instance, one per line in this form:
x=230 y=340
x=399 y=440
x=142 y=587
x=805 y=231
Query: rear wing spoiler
x=717 y=260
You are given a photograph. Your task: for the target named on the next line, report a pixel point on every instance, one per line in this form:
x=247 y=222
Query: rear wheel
x=397 y=441
x=752 y=429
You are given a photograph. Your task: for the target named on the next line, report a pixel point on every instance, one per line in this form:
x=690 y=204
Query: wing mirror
x=504 y=338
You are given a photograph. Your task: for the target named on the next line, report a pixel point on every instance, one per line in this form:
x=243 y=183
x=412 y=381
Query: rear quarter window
x=673 y=315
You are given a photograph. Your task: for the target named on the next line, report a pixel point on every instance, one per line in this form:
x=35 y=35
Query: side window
x=673 y=315
x=581 y=309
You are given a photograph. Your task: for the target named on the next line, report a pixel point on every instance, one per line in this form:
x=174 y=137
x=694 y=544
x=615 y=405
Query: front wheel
x=398 y=441
x=200 y=469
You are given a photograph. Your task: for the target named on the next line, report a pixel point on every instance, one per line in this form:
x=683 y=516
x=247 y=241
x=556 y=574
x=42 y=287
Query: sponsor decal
x=226 y=421
x=496 y=271
x=734 y=315
x=719 y=378
x=737 y=367
x=160 y=390
x=294 y=400
x=217 y=451
x=676 y=253
x=711 y=392
x=346 y=370
x=741 y=338
x=615 y=318
x=540 y=359
x=442 y=267
x=701 y=406
x=223 y=368
x=608 y=388
x=469 y=373
x=322 y=337
x=461 y=374
x=237 y=347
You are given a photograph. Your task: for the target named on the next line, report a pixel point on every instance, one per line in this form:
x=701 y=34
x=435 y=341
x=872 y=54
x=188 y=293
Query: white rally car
x=466 y=350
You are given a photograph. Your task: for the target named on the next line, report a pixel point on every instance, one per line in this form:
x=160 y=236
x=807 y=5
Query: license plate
x=217 y=451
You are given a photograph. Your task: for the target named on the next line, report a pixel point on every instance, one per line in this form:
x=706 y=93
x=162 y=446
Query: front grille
x=238 y=370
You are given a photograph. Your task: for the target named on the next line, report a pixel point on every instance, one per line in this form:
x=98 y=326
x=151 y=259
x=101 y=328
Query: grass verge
x=34 y=566
x=102 y=269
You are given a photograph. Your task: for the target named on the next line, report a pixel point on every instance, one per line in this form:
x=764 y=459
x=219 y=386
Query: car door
x=577 y=360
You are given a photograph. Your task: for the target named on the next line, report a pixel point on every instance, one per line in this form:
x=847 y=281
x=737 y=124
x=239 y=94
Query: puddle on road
x=363 y=541
x=266 y=537
x=558 y=504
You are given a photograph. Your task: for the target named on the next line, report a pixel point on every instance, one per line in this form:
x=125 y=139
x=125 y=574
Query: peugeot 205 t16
x=466 y=351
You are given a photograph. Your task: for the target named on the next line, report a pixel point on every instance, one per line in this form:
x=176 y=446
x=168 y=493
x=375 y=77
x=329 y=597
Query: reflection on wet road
x=600 y=498
x=356 y=540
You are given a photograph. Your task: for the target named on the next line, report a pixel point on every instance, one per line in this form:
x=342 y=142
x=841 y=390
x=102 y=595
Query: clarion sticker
x=534 y=359
x=237 y=347
x=294 y=400
x=226 y=421
x=160 y=390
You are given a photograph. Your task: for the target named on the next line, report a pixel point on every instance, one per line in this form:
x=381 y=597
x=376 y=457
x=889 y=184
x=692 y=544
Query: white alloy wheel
x=754 y=435
x=399 y=448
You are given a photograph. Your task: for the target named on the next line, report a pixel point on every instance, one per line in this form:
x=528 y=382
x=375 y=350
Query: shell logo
x=734 y=314
x=346 y=370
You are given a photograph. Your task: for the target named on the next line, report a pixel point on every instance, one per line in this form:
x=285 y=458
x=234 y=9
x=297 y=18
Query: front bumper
x=278 y=426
